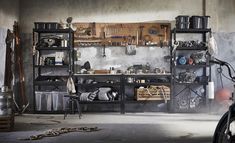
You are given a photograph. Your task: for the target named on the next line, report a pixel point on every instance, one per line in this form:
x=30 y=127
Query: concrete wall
x=226 y=16
x=226 y=44
x=105 y=10
x=221 y=12
x=9 y=12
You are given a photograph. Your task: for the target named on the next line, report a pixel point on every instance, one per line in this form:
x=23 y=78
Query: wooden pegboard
x=121 y=34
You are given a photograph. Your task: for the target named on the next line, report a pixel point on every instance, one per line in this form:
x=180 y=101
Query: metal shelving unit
x=149 y=83
x=53 y=48
x=121 y=84
x=51 y=66
x=203 y=31
x=175 y=90
x=192 y=66
x=53 y=30
x=41 y=81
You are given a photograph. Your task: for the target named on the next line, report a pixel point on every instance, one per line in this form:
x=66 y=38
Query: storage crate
x=43 y=101
x=6 y=123
x=153 y=93
x=50 y=100
x=58 y=100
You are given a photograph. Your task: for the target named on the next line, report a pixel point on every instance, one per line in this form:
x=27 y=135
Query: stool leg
x=73 y=111
x=79 y=109
x=66 y=109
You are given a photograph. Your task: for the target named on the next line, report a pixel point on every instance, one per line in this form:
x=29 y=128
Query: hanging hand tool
x=141 y=34
x=175 y=45
x=160 y=39
x=103 y=41
x=20 y=70
x=104 y=54
x=165 y=41
x=93 y=28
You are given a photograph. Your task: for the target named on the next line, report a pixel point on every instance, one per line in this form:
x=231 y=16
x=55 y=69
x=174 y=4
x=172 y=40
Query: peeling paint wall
x=222 y=14
x=224 y=17
x=116 y=57
x=3 y=33
x=105 y=10
x=226 y=50
x=9 y=12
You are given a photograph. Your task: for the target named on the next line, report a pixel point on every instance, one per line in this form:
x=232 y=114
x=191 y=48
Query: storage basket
x=50 y=100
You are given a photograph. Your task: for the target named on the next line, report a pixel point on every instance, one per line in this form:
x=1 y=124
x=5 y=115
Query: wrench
x=175 y=45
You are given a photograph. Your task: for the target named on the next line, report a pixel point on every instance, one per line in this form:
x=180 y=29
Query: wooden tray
x=153 y=93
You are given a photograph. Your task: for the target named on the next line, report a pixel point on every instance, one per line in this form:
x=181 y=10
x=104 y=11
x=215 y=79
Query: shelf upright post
x=34 y=99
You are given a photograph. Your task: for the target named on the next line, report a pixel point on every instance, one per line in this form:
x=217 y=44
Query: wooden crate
x=6 y=123
x=153 y=93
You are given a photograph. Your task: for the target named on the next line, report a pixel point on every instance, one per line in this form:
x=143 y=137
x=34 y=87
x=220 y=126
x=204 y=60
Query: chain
x=57 y=132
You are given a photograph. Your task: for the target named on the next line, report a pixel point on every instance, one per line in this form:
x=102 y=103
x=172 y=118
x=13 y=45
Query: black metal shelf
x=53 y=30
x=98 y=84
x=51 y=76
x=147 y=75
x=100 y=102
x=121 y=85
x=147 y=84
x=50 y=83
x=126 y=75
x=203 y=31
x=51 y=66
x=144 y=101
x=44 y=81
x=117 y=46
x=191 y=49
x=93 y=75
x=39 y=77
x=193 y=83
x=192 y=66
x=53 y=48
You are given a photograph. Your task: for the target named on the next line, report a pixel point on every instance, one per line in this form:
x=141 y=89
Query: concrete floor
x=131 y=127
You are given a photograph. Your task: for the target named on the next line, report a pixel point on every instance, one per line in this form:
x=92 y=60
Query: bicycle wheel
x=220 y=135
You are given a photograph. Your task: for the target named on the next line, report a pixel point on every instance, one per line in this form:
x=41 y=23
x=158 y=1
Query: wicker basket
x=153 y=93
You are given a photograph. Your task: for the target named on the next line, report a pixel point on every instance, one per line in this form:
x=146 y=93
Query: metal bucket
x=6 y=103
